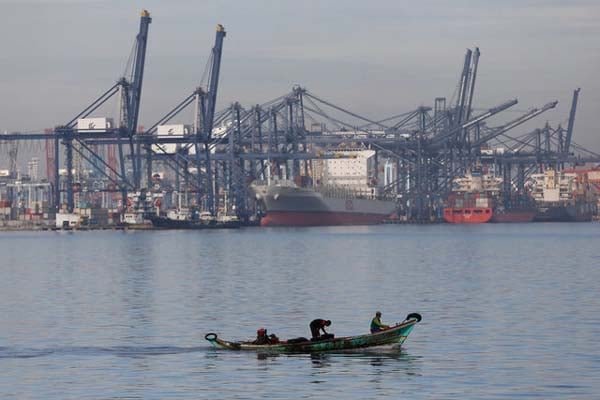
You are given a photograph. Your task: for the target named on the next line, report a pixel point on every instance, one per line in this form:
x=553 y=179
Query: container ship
x=342 y=190
x=471 y=199
x=563 y=197
x=286 y=204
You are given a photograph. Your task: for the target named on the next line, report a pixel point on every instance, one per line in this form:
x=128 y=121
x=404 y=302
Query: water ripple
x=509 y=311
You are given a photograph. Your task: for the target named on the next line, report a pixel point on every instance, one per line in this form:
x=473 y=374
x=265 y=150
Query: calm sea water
x=509 y=311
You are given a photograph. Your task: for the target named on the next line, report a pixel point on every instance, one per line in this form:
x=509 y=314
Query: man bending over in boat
x=376 y=324
x=318 y=325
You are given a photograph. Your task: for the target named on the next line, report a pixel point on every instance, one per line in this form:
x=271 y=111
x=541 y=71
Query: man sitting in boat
x=376 y=324
x=261 y=337
x=273 y=339
x=318 y=325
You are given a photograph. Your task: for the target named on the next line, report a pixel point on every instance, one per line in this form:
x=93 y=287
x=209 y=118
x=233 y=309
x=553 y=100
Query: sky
x=377 y=58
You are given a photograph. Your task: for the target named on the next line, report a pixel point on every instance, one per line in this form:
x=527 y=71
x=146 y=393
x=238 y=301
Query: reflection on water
x=320 y=360
x=123 y=315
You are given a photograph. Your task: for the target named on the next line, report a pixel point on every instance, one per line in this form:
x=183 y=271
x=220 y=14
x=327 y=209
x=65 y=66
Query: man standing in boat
x=318 y=325
x=376 y=324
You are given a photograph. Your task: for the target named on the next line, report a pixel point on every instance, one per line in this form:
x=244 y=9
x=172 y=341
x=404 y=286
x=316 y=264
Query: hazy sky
x=377 y=58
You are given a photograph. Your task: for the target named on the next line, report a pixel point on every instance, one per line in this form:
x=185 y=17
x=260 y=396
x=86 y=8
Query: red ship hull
x=304 y=218
x=524 y=215
x=467 y=215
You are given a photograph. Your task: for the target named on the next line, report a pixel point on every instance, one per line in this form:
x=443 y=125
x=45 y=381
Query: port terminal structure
x=225 y=150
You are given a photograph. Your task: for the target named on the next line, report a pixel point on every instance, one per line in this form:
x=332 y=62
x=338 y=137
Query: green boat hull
x=395 y=335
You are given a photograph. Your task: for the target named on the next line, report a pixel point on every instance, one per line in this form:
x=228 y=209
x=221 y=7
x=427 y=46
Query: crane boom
x=472 y=87
x=571 y=121
x=442 y=138
x=464 y=85
x=514 y=123
x=214 y=81
x=135 y=93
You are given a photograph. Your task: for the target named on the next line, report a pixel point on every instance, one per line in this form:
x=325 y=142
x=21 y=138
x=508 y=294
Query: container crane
x=209 y=111
x=130 y=90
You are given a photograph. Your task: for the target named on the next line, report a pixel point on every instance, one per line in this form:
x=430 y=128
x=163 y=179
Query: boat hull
x=513 y=215
x=167 y=223
x=467 y=215
x=579 y=212
x=297 y=218
x=394 y=335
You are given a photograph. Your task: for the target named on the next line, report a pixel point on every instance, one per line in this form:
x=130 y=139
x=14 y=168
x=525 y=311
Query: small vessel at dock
x=191 y=219
x=135 y=219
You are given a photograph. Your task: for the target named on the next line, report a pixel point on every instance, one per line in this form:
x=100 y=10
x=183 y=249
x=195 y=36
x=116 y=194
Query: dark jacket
x=316 y=326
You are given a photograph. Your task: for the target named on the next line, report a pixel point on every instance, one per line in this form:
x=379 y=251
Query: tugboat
x=193 y=219
x=137 y=208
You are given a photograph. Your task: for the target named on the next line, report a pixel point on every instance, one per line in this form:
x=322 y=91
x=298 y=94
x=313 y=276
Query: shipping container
x=177 y=130
x=481 y=203
x=165 y=148
x=94 y=124
x=594 y=176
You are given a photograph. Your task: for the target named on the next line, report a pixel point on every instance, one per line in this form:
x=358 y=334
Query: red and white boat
x=470 y=202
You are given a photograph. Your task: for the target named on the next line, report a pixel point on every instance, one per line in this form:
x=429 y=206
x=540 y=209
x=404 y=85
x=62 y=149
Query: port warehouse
x=100 y=166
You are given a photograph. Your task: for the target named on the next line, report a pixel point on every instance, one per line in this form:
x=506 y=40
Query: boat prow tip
x=416 y=316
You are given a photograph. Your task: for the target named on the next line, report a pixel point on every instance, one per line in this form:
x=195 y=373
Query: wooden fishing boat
x=396 y=334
